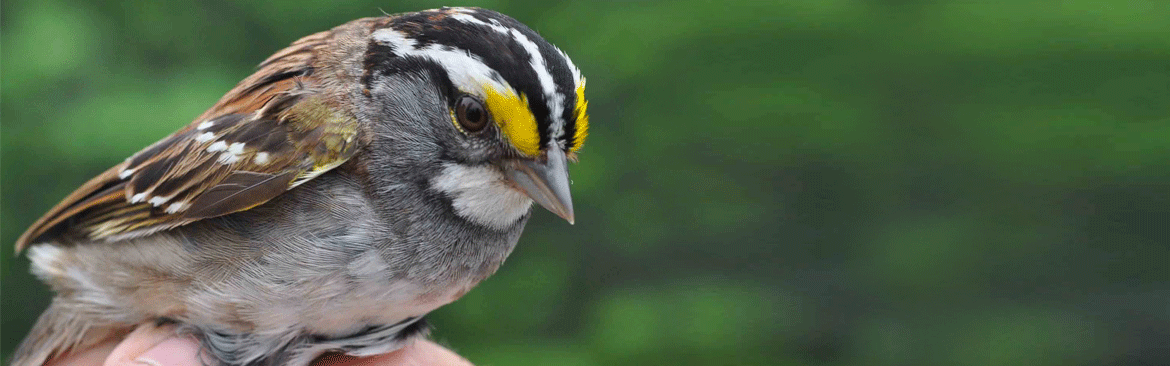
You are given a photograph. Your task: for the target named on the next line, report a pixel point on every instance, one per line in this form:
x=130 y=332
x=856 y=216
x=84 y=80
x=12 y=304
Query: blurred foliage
x=777 y=183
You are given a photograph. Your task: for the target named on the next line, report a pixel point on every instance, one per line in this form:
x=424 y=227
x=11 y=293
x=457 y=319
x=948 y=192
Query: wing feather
x=240 y=191
x=270 y=133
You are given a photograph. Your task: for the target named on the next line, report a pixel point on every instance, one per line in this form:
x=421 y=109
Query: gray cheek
x=404 y=101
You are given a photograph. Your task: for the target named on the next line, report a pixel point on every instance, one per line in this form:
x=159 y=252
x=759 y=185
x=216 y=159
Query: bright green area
x=767 y=182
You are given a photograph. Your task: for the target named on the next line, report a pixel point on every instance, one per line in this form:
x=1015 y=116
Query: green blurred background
x=774 y=183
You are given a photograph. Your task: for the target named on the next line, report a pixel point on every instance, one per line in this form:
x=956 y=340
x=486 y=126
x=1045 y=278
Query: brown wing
x=267 y=135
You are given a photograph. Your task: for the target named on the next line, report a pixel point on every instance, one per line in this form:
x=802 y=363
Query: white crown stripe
x=467 y=18
x=554 y=99
x=572 y=68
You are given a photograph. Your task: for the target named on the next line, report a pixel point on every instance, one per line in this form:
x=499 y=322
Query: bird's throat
x=481 y=194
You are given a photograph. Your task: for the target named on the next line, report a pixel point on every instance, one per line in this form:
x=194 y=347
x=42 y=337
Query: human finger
x=92 y=356
x=142 y=339
x=157 y=346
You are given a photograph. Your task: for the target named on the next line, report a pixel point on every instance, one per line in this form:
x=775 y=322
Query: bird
x=357 y=180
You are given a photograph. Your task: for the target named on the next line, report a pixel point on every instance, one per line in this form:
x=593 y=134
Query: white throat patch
x=480 y=194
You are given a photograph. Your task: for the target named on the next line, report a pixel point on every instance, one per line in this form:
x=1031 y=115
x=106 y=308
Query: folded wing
x=268 y=135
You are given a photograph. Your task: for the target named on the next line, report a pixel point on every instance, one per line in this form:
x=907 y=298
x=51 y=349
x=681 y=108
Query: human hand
x=159 y=346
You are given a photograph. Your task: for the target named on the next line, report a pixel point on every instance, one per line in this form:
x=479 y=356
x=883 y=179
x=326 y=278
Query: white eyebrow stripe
x=466 y=70
x=555 y=100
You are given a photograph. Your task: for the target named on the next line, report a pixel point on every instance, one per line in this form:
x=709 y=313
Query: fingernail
x=145 y=361
x=172 y=352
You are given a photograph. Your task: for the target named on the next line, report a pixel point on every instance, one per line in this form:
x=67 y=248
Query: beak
x=546 y=182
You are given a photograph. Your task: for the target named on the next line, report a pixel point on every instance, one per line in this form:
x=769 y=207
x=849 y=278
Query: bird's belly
x=367 y=292
x=374 y=306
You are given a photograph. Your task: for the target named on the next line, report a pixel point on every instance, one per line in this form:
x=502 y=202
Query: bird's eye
x=471 y=114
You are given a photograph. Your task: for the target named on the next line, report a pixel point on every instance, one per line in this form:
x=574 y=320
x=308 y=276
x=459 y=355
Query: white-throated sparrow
x=361 y=178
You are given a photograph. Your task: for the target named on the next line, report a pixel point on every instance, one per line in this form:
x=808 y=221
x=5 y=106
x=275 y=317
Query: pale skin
x=150 y=345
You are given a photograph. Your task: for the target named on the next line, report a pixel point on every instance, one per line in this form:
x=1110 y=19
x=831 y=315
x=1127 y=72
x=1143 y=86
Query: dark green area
x=773 y=183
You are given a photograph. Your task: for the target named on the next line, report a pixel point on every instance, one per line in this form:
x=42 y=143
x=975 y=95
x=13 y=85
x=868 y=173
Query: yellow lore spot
x=582 y=118
x=516 y=121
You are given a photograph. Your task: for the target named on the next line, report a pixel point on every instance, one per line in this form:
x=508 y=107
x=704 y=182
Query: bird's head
x=492 y=110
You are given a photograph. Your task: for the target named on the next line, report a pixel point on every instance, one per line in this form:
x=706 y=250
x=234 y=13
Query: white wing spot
x=217 y=146
x=261 y=158
x=159 y=200
x=205 y=137
x=232 y=155
x=228 y=158
x=236 y=148
x=138 y=198
x=176 y=207
x=126 y=173
x=204 y=125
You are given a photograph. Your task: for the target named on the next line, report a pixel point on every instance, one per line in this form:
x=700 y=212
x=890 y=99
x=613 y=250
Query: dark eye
x=470 y=114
